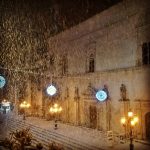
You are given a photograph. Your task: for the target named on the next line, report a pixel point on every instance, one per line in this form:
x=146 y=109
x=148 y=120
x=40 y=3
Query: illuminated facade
x=108 y=51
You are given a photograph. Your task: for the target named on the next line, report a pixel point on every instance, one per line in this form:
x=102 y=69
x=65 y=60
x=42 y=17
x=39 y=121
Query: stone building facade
x=110 y=50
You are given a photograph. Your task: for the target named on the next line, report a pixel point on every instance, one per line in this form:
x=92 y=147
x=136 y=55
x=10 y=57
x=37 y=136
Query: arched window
x=64 y=65
x=91 y=63
x=147 y=124
x=52 y=59
x=146 y=53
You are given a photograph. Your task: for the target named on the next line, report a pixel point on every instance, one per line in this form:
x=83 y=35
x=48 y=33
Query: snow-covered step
x=46 y=136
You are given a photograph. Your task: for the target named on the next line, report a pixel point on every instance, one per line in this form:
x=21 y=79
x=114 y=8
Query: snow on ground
x=82 y=134
x=3 y=126
x=137 y=146
x=85 y=135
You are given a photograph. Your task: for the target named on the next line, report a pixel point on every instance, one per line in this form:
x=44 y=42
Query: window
x=64 y=65
x=91 y=63
x=149 y=51
x=146 y=53
x=52 y=59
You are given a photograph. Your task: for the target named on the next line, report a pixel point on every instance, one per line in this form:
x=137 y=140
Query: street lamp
x=130 y=121
x=55 y=109
x=25 y=106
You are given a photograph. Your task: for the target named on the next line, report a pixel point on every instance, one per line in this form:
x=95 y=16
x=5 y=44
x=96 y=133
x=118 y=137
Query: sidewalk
x=137 y=146
x=143 y=142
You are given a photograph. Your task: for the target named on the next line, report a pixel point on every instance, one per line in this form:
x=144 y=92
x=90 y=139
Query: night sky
x=58 y=15
x=76 y=11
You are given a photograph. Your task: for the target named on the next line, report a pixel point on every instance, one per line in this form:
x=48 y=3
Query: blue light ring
x=2 y=81
x=101 y=95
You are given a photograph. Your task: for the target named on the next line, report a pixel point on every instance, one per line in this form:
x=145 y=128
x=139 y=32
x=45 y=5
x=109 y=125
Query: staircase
x=46 y=136
x=3 y=126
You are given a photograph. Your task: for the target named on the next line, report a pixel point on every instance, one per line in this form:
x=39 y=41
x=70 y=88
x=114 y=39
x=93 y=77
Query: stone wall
x=134 y=79
x=76 y=106
x=119 y=31
x=114 y=37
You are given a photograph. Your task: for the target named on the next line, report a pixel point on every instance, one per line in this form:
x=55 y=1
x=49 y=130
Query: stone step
x=46 y=136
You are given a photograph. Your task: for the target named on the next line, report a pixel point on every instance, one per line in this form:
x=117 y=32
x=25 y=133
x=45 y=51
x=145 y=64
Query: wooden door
x=93 y=116
x=147 y=124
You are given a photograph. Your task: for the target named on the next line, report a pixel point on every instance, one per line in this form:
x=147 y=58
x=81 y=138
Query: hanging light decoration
x=51 y=90
x=101 y=95
x=2 y=81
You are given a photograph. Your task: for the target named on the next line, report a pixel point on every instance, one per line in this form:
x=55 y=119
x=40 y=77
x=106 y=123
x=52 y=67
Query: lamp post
x=25 y=105
x=129 y=122
x=55 y=109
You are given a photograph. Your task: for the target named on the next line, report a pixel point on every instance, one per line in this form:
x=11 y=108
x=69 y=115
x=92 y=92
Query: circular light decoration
x=101 y=95
x=51 y=90
x=2 y=81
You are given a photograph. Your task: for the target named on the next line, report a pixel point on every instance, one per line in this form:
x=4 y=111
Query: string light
x=24 y=71
x=43 y=74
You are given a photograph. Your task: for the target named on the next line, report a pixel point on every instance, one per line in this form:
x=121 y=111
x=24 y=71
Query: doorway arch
x=147 y=125
x=93 y=116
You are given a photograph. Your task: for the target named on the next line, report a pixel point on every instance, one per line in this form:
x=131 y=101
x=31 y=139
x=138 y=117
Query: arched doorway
x=147 y=125
x=93 y=116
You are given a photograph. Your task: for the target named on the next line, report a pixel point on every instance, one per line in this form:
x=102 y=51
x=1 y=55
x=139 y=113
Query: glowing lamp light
x=132 y=123
x=51 y=109
x=24 y=104
x=5 y=103
x=51 y=90
x=136 y=119
x=55 y=105
x=123 y=120
x=130 y=114
x=55 y=109
x=60 y=109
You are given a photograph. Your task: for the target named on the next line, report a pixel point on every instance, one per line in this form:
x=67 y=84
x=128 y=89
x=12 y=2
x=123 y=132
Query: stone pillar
x=78 y=119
